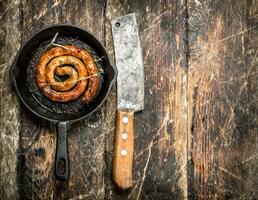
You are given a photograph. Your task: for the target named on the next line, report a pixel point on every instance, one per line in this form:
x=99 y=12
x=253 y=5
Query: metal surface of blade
x=129 y=61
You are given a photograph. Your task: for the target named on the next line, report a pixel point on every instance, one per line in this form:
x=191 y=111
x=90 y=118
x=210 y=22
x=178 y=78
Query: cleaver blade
x=129 y=61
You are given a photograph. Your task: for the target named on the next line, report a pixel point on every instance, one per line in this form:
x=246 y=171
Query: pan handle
x=61 y=160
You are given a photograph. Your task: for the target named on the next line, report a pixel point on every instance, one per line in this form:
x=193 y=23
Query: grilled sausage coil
x=73 y=62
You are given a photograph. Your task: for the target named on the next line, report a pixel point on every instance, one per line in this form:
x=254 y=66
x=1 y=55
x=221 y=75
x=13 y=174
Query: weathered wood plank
x=37 y=140
x=160 y=130
x=9 y=107
x=86 y=138
x=87 y=141
x=223 y=99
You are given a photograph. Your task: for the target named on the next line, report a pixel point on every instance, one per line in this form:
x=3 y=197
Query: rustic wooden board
x=223 y=99
x=195 y=139
x=86 y=138
x=9 y=107
x=160 y=148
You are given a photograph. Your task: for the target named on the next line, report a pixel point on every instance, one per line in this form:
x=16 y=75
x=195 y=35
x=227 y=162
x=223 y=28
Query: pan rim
x=29 y=39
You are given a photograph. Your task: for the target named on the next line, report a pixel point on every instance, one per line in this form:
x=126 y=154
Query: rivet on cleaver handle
x=130 y=94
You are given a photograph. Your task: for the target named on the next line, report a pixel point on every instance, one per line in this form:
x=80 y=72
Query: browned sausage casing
x=74 y=62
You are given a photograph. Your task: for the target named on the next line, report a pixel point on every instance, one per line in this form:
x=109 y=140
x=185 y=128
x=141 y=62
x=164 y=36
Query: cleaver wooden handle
x=124 y=146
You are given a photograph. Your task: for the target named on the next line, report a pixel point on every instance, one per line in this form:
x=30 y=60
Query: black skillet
x=54 y=113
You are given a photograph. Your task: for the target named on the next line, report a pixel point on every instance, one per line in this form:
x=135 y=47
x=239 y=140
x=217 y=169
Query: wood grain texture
x=195 y=139
x=85 y=138
x=223 y=99
x=9 y=106
x=159 y=163
x=37 y=137
x=123 y=163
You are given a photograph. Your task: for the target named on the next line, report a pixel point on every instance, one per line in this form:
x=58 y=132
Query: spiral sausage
x=74 y=62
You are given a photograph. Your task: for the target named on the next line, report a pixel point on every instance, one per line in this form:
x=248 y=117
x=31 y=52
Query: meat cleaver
x=130 y=94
